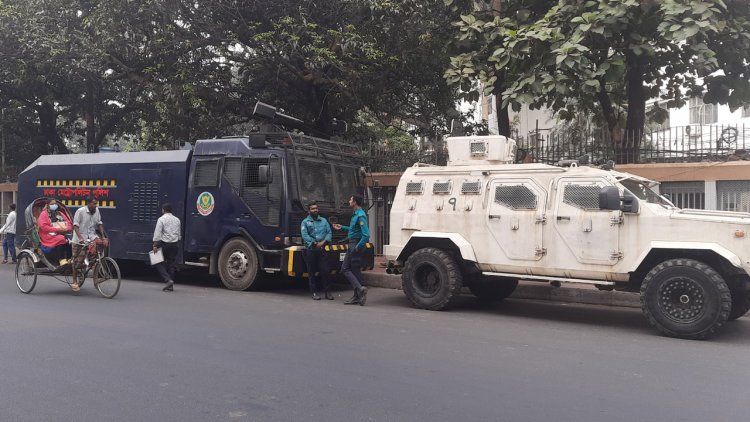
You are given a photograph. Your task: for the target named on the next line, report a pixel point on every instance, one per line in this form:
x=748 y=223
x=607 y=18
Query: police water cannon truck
x=240 y=199
x=486 y=223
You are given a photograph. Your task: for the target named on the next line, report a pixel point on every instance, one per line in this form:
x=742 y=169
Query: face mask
x=53 y=207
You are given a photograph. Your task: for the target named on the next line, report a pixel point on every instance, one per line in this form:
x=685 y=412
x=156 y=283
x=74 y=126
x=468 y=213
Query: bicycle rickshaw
x=32 y=262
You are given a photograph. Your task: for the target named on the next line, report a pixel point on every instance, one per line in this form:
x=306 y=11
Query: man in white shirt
x=86 y=222
x=9 y=236
x=167 y=237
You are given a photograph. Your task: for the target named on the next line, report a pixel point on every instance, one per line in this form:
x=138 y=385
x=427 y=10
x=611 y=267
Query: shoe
x=362 y=295
x=64 y=262
x=329 y=295
x=75 y=287
x=169 y=287
x=353 y=300
x=5 y=261
x=315 y=296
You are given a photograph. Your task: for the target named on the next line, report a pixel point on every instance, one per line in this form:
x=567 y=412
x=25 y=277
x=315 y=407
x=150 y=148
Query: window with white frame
x=685 y=194
x=702 y=113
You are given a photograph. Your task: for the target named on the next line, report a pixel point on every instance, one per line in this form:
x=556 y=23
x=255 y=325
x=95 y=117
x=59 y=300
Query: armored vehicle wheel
x=492 y=289
x=685 y=298
x=740 y=304
x=238 y=264
x=431 y=279
x=25 y=273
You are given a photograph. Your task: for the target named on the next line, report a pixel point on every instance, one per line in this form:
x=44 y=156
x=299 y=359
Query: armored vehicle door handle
x=563 y=217
x=493 y=216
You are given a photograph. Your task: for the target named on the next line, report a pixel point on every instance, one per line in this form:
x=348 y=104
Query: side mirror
x=630 y=203
x=609 y=198
x=264 y=174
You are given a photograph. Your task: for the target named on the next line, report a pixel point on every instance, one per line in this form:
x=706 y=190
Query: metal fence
x=673 y=144
x=690 y=143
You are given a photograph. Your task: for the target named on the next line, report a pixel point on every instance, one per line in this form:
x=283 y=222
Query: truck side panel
x=130 y=188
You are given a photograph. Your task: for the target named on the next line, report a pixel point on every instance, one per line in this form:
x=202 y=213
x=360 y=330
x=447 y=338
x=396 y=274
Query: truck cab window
x=316 y=182
x=260 y=187
x=206 y=173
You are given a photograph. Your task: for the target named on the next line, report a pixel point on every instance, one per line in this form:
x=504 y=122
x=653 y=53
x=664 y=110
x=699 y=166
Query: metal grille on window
x=233 y=171
x=441 y=187
x=145 y=200
x=582 y=196
x=206 y=173
x=478 y=147
x=733 y=195
x=414 y=188
x=472 y=188
x=263 y=199
x=316 y=183
x=685 y=194
x=517 y=197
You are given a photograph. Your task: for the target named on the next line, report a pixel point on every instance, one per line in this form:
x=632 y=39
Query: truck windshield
x=644 y=192
x=316 y=183
x=346 y=182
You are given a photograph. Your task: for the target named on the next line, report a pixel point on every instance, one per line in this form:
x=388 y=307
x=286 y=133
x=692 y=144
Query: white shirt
x=87 y=224
x=167 y=229
x=10 y=224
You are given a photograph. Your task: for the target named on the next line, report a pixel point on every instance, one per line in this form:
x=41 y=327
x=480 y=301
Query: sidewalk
x=569 y=293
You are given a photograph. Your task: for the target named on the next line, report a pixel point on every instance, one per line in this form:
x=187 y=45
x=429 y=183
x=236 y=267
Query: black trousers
x=316 y=263
x=167 y=267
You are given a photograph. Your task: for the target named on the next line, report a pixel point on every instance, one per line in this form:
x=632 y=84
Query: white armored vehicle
x=485 y=223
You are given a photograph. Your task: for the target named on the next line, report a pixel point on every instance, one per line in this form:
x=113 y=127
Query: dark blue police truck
x=241 y=199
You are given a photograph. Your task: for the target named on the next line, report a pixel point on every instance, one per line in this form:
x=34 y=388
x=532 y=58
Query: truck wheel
x=492 y=289
x=740 y=304
x=685 y=298
x=238 y=264
x=431 y=279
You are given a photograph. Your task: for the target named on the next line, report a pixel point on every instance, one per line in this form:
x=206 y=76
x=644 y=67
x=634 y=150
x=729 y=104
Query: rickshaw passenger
x=53 y=227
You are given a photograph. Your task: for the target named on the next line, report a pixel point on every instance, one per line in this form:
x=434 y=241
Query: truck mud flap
x=293 y=261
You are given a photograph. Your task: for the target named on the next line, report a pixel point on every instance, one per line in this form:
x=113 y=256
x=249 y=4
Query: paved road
x=207 y=354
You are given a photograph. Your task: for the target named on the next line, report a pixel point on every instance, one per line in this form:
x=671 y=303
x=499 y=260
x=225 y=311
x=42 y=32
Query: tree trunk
x=503 y=118
x=610 y=116
x=636 y=111
x=48 y=129
x=89 y=105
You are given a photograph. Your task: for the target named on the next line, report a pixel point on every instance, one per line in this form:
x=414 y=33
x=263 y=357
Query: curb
x=531 y=290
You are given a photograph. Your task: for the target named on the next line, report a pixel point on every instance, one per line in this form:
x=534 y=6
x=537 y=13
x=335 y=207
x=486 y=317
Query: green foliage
x=601 y=57
x=157 y=73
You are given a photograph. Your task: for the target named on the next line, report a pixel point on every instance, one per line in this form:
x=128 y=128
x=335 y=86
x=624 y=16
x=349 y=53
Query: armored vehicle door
x=591 y=234
x=515 y=218
x=203 y=224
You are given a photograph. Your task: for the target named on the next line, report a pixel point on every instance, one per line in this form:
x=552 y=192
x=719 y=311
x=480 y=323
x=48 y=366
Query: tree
x=600 y=56
x=478 y=38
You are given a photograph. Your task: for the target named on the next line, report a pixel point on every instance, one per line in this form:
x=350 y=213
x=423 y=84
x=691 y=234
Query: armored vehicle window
x=206 y=173
x=442 y=187
x=316 y=182
x=415 y=188
x=263 y=198
x=517 y=197
x=346 y=182
x=471 y=187
x=233 y=171
x=582 y=196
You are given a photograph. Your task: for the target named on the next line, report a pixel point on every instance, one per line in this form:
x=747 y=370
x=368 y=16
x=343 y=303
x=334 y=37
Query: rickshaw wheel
x=107 y=277
x=26 y=272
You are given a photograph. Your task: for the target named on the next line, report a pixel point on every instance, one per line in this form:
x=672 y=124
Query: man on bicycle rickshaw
x=87 y=230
